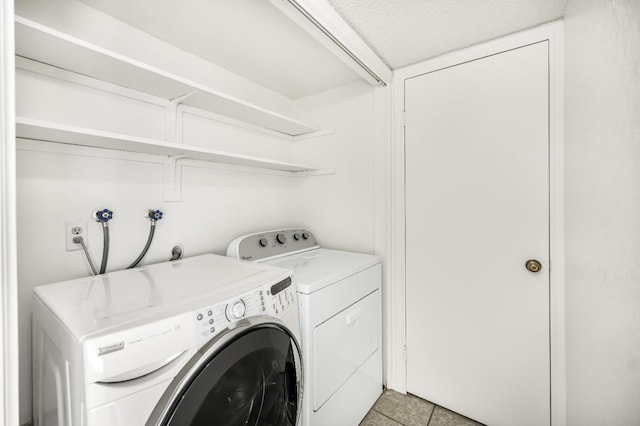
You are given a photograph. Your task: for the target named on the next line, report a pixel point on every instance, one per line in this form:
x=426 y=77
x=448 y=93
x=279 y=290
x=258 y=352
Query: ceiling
x=251 y=38
x=403 y=32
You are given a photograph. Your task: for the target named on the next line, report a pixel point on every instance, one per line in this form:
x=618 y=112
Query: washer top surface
x=105 y=302
x=319 y=268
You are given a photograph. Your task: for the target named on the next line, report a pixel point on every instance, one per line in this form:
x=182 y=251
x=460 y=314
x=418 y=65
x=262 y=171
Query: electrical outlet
x=72 y=229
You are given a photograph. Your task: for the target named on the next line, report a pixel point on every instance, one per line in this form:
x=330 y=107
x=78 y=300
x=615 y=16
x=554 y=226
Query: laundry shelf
x=47 y=45
x=27 y=128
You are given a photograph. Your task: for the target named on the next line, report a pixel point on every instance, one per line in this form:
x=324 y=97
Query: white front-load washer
x=200 y=341
x=339 y=295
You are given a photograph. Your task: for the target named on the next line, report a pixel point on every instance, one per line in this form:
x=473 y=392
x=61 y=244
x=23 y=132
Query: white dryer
x=339 y=295
x=205 y=340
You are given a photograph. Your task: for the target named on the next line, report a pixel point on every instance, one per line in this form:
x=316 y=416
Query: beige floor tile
x=374 y=418
x=405 y=409
x=443 y=417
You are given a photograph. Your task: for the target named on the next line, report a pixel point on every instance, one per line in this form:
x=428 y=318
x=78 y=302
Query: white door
x=477 y=208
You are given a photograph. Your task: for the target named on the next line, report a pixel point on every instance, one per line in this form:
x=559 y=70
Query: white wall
x=216 y=206
x=340 y=208
x=603 y=212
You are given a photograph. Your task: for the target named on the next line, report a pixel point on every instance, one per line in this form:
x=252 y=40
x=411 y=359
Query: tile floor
x=396 y=409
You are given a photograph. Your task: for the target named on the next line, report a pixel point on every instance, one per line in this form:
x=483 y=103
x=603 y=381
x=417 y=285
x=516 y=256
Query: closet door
x=477 y=209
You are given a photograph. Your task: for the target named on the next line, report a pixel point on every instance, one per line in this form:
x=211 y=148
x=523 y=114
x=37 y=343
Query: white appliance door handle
x=353 y=316
x=144 y=370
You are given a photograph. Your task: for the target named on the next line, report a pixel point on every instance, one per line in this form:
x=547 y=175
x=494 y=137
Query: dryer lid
x=317 y=269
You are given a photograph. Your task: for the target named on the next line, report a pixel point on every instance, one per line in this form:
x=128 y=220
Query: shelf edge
x=32 y=129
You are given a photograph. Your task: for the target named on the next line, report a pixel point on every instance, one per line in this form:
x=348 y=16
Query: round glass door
x=253 y=379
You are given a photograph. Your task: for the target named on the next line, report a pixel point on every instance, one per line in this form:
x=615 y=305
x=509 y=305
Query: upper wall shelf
x=52 y=132
x=47 y=45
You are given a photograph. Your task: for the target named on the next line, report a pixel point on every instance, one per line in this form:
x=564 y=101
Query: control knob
x=296 y=236
x=305 y=235
x=263 y=242
x=237 y=310
x=281 y=238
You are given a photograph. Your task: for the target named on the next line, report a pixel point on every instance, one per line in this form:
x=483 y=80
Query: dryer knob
x=305 y=235
x=281 y=238
x=296 y=236
x=237 y=310
x=263 y=242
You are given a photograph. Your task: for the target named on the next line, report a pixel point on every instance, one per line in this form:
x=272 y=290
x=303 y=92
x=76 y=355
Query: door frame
x=396 y=350
x=9 y=406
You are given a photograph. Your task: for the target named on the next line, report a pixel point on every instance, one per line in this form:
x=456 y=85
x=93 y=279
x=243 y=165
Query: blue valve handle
x=155 y=215
x=104 y=215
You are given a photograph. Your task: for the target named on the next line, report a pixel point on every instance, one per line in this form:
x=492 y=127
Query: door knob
x=533 y=265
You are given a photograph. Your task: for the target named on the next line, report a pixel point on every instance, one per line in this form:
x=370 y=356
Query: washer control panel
x=270 y=244
x=273 y=300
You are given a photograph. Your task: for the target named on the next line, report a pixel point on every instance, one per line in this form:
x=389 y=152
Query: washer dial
x=236 y=310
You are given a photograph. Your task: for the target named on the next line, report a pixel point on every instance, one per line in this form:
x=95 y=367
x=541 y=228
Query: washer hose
x=176 y=253
x=80 y=240
x=105 y=247
x=152 y=230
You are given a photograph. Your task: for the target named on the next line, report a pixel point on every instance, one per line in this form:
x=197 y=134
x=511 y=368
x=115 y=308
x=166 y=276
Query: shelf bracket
x=172 y=178
x=173 y=126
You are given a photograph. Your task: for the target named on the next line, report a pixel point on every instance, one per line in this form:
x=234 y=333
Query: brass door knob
x=533 y=265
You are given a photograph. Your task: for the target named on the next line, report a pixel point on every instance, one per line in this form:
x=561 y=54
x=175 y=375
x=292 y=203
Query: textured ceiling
x=403 y=32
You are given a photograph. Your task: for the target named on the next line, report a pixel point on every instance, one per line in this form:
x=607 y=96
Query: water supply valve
x=155 y=215
x=104 y=215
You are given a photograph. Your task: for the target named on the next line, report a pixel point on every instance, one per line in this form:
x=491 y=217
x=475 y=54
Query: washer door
x=251 y=375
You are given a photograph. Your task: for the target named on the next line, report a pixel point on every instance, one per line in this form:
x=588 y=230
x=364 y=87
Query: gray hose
x=152 y=230
x=105 y=247
x=176 y=253
x=80 y=240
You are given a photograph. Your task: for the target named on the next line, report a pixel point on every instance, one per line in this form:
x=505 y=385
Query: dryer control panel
x=272 y=300
x=272 y=244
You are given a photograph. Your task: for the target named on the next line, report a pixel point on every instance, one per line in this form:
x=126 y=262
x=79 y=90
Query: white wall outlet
x=72 y=229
